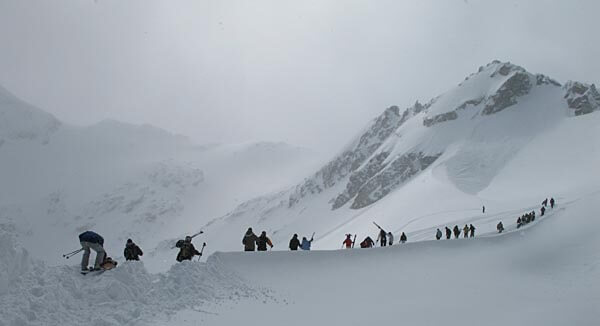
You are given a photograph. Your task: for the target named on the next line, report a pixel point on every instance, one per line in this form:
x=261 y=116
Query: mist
x=311 y=73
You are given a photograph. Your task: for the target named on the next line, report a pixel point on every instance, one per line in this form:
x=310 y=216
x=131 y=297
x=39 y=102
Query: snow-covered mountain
x=461 y=144
x=123 y=180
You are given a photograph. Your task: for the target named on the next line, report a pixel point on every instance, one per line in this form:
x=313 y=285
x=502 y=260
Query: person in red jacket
x=348 y=242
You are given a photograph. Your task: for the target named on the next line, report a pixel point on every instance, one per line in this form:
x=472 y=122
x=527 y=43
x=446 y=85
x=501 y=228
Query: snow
x=142 y=182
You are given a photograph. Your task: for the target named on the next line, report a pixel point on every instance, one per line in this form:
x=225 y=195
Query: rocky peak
x=582 y=98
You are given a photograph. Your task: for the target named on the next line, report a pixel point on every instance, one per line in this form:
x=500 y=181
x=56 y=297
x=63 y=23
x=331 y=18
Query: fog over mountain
x=231 y=71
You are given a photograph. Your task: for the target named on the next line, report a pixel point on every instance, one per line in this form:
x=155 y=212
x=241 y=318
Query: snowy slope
x=123 y=180
x=498 y=139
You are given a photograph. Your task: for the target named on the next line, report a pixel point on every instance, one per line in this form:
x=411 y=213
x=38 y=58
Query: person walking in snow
x=438 y=234
x=552 y=202
x=519 y=222
x=263 y=241
x=403 y=238
x=448 y=233
x=545 y=202
x=294 y=243
x=483 y=210
x=92 y=240
x=306 y=243
x=187 y=251
x=348 y=242
x=466 y=231
x=390 y=237
x=500 y=227
x=382 y=238
x=542 y=211
x=456 y=232
x=472 y=229
x=132 y=251
x=249 y=240
x=367 y=243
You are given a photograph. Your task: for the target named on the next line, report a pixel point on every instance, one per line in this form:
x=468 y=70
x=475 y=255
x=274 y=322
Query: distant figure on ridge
x=483 y=210
x=367 y=243
x=294 y=243
x=448 y=233
x=472 y=229
x=132 y=251
x=545 y=202
x=263 y=241
x=552 y=202
x=519 y=222
x=466 y=231
x=438 y=234
x=542 y=211
x=500 y=227
x=403 y=237
x=348 y=242
x=382 y=238
x=305 y=243
x=390 y=237
x=249 y=240
x=187 y=251
x=456 y=232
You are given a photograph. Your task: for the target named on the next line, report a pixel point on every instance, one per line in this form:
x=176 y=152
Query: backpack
x=129 y=252
x=179 y=243
x=364 y=244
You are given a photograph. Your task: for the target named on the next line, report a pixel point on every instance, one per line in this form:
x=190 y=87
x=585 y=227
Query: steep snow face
x=22 y=121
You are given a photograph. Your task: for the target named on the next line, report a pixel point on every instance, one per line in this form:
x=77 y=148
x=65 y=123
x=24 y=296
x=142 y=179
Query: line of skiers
x=467 y=231
x=252 y=242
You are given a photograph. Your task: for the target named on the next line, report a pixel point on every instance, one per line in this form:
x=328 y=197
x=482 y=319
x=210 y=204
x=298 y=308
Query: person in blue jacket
x=306 y=243
x=92 y=240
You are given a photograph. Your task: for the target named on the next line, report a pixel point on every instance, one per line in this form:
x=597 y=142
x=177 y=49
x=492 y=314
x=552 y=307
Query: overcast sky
x=311 y=73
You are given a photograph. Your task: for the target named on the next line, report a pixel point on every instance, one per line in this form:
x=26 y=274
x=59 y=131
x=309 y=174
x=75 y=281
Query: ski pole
x=73 y=253
x=201 y=251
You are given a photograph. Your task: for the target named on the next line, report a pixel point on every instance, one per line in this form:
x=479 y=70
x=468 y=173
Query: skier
x=132 y=251
x=294 y=243
x=519 y=222
x=532 y=216
x=187 y=251
x=552 y=202
x=438 y=234
x=263 y=241
x=484 y=209
x=472 y=229
x=382 y=238
x=466 y=231
x=249 y=240
x=545 y=202
x=367 y=243
x=403 y=238
x=348 y=242
x=306 y=243
x=91 y=240
x=500 y=227
x=390 y=237
x=542 y=211
x=448 y=233
x=456 y=232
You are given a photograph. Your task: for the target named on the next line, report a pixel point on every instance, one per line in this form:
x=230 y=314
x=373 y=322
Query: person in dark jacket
x=187 y=251
x=438 y=234
x=519 y=222
x=552 y=202
x=306 y=243
x=472 y=230
x=456 y=232
x=545 y=202
x=403 y=238
x=367 y=243
x=132 y=251
x=466 y=231
x=249 y=240
x=348 y=242
x=500 y=227
x=294 y=243
x=542 y=211
x=92 y=240
x=263 y=241
x=448 y=233
x=382 y=238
